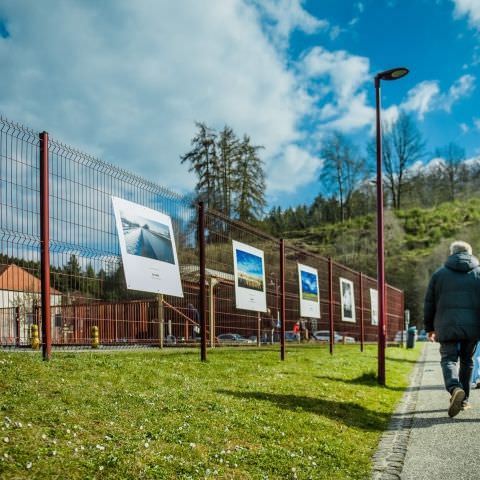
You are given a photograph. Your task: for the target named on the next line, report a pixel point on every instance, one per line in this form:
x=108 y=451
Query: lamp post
x=392 y=74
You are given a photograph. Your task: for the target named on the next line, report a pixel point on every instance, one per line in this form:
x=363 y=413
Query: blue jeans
x=453 y=376
x=476 y=365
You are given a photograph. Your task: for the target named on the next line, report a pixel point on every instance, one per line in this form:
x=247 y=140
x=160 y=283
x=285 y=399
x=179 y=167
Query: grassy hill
x=416 y=243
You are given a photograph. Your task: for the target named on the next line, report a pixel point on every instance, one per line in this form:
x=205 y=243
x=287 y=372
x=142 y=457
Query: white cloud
x=301 y=165
x=346 y=72
x=341 y=79
x=426 y=96
x=469 y=8
x=127 y=80
x=285 y=16
x=355 y=115
x=464 y=127
x=462 y=87
x=421 y=98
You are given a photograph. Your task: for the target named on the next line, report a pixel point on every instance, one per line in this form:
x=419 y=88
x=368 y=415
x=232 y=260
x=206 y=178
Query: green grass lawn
x=164 y=414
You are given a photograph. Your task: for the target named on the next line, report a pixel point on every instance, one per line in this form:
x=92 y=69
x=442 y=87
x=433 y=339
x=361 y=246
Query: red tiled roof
x=15 y=278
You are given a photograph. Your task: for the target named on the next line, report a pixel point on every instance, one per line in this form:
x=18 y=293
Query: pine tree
x=203 y=161
x=249 y=182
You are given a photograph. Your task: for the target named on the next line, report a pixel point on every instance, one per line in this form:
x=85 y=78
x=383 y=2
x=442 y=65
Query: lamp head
x=392 y=74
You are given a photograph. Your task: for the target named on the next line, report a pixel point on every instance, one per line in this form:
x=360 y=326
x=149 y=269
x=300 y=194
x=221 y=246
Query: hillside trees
x=230 y=175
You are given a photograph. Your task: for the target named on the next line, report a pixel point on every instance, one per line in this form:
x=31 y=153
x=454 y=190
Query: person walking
x=296 y=331
x=452 y=317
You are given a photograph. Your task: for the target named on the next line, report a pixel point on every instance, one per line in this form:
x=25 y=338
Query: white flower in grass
x=146 y=444
x=99 y=447
x=108 y=438
x=29 y=425
x=44 y=437
x=101 y=467
x=54 y=452
x=18 y=424
x=29 y=465
x=192 y=445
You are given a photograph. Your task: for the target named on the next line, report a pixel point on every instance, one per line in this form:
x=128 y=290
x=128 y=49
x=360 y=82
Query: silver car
x=324 y=336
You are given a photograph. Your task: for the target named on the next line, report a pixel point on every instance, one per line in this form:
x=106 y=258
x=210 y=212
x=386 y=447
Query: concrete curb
x=390 y=455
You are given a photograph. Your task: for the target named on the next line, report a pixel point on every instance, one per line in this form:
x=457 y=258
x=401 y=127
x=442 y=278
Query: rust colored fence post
x=161 y=320
x=259 y=328
x=17 y=326
x=362 y=324
x=45 y=248
x=282 y=299
x=330 y=302
x=202 y=293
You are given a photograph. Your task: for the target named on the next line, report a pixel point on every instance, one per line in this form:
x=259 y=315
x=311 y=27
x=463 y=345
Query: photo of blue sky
x=250 y=270
x=309 y=286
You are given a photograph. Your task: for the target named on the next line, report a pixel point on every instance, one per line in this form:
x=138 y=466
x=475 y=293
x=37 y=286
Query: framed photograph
x=148 y=249
x=374 y=305
x=309 y=291
x=347 y=300
x=249 y=271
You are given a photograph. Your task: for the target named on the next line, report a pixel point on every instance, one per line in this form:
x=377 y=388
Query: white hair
x=458 y=247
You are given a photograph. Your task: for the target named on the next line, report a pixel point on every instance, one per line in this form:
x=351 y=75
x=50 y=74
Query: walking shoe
x=456 y=400
x=466 y=405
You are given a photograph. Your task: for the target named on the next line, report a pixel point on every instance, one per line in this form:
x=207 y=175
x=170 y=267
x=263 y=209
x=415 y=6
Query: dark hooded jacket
x=452 y=301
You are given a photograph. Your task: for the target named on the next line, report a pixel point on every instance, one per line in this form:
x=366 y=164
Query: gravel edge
x=390 y=455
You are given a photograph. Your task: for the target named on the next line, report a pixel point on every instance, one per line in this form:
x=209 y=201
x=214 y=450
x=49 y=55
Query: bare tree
x=402 y=145
x=451 y=167
x=342 y=171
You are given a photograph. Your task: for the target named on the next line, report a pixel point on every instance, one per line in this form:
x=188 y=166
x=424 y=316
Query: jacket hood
x=461 y=262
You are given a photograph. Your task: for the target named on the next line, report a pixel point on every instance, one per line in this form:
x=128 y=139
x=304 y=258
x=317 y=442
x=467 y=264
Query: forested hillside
x=416 y=243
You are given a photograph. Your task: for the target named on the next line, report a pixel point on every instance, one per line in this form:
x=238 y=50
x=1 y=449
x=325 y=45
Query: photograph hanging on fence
x=374 y=305
x=309 y=291
x=249 y=270
x=348 y=300
x=147 y=245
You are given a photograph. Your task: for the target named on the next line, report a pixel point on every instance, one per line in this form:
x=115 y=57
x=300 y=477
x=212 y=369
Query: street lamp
x=392 y=74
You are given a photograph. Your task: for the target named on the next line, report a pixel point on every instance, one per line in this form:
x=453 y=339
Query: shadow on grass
x=348 y=413
x=402 y=360
x=368 y=379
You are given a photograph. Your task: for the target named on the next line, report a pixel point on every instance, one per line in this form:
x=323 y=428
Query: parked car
x=324 y=336
x=233 y=338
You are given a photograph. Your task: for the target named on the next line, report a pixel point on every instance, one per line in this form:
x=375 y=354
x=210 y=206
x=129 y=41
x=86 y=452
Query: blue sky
x=125 y=81
x=249 y=263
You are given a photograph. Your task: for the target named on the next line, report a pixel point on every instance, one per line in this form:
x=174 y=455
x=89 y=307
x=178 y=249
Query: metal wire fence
x=85 y=271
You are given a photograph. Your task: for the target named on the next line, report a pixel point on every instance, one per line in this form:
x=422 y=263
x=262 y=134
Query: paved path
x=423 y=442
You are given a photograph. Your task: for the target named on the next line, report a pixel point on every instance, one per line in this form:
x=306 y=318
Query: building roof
x=17 y=279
